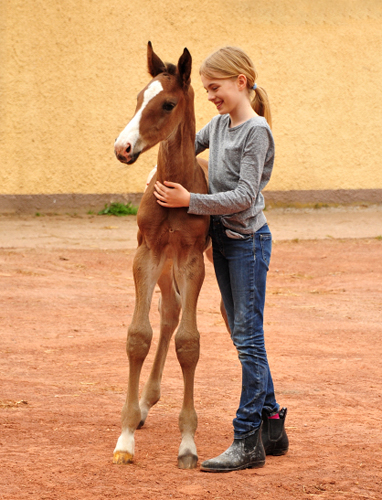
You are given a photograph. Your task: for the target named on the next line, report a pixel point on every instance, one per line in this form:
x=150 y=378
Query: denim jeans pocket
x=237 y=236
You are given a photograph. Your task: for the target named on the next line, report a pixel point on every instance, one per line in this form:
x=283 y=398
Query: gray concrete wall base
x=61 y=203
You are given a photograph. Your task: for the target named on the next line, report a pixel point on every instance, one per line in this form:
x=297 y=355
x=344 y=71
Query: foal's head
x=160 y=107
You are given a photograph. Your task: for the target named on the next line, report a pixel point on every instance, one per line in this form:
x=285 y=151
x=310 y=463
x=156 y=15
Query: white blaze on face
x=130 y=134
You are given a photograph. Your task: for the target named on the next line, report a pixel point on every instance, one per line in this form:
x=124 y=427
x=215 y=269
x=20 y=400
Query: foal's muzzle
x=125 y=153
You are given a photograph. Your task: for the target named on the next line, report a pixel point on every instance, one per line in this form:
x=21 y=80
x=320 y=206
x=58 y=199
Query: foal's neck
x=176 y=156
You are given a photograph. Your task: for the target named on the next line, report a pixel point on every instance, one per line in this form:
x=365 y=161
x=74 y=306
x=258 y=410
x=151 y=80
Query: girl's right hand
x=172 y=195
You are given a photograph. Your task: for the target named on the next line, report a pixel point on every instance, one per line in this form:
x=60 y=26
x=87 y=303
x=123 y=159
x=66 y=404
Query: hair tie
x=255 y=86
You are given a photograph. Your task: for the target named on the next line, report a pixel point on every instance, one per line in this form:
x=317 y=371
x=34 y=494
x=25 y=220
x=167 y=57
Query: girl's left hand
x=172 y=195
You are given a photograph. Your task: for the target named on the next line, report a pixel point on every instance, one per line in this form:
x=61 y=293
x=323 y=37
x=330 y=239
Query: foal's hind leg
x=189 y=276
x=137 y=346
x=209 y=255
x=169 y=309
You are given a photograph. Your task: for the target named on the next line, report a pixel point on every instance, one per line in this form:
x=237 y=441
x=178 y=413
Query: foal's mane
x=170 y=69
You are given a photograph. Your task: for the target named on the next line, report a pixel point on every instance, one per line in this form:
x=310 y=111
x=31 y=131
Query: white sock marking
x=125 y=442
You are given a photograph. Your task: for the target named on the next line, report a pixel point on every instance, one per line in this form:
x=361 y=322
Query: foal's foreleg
x=189 y=276
x=137 y=346
x=169 y=308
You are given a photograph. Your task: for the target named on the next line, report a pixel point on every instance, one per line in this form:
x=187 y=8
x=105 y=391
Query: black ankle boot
x=247 y=453
x=275 y=438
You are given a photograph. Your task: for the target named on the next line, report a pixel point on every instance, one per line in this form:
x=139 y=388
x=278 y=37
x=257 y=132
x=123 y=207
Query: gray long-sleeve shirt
x=239 y=167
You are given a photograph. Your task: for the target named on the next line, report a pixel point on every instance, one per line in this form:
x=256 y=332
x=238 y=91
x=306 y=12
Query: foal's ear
x=184 y=67
x=154 y=63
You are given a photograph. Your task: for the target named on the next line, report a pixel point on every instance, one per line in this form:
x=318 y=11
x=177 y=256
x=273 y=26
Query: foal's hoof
x=122 y=457
x=187 y=461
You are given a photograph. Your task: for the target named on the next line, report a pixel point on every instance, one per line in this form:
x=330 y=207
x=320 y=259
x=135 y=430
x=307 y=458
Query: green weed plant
x=119 y=209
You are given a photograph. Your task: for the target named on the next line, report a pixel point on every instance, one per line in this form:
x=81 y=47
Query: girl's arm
x=252 y=180
x=202 y=139
x=255 y=170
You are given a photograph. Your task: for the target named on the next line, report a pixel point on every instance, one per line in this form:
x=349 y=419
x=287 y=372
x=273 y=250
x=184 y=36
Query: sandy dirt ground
x=66 y=299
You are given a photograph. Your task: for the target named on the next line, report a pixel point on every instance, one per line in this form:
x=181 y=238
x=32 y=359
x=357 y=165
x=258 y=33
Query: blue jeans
x=241 y=267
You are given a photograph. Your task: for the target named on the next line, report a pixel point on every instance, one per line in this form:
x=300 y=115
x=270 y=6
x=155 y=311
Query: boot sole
x=256 y=465
x=277 y=453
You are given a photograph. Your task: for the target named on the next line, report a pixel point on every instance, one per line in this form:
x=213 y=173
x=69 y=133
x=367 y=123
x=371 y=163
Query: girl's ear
x=154 y=63
x=184 y=67
x=242 y=82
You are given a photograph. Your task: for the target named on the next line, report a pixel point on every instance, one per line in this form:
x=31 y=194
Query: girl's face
x=226 y=94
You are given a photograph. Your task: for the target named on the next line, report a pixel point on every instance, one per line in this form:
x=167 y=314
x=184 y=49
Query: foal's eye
x=168 y=106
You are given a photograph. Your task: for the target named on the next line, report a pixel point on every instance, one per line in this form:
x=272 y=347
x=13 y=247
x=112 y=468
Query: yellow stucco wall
x=71 y=69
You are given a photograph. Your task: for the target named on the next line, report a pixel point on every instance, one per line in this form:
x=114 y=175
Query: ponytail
x=260 y=104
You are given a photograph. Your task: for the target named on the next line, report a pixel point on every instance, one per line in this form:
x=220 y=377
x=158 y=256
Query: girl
x=241 y=156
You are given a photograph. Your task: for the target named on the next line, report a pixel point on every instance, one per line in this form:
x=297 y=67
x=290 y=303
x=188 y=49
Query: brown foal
x=170 y=250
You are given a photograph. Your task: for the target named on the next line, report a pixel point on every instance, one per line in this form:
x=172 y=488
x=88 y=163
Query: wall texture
x=71 y=70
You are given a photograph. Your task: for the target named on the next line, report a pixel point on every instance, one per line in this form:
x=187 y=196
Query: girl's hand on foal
x=172 y=195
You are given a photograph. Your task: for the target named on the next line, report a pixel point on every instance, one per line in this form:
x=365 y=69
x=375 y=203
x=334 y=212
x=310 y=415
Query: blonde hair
x=230 y=62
